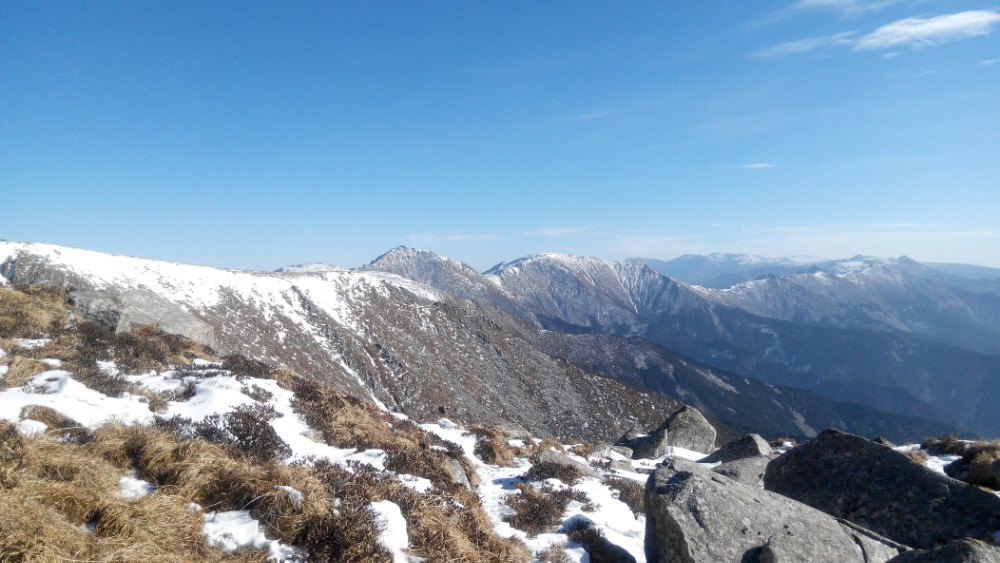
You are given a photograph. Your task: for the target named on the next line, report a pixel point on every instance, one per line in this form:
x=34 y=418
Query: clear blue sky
x=251 y=134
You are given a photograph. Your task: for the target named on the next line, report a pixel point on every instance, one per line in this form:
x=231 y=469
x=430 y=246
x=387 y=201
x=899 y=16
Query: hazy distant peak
x=309 y=268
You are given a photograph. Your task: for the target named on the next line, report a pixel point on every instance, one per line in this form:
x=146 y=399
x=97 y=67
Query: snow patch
x=394 y=536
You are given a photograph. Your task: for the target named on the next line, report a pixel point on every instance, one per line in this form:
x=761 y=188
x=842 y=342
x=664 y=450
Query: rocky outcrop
x=457 y=473
x=551 y=457
x=965 y=550
x=749 y=470
x=878 y=488
x=750 y=445
x=695 y=515
x=687 y=428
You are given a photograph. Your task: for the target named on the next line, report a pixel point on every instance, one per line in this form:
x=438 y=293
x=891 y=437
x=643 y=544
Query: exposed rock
x=689 y=429
x=557 y=458
x=457 y=473
x=882 y=441
x=650 y=446
x=695 y=515
x=750 y=445
x=608 y=450
x=965 y=550
x=121 y=311
x=749 y=470
x=881 y=489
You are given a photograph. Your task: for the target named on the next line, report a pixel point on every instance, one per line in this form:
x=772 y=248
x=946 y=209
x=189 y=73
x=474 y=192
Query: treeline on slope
x=56 y=485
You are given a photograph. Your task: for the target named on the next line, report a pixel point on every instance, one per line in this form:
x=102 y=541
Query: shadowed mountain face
x=719 y=271
x=595 y=312
x=373 y=334
x=888 y=370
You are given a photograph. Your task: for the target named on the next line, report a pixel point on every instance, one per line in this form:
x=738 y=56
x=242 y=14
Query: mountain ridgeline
x=570 y=347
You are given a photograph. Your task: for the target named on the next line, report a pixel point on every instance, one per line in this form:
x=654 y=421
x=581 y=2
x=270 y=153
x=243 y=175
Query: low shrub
x=541 y=471
x=632 y=493
x=492 y=445
x=539 y=510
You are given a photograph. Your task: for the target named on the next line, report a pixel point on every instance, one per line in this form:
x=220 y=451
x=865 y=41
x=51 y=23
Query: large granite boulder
x=749 y=470
x=696 y=515
x=966 y=550
x=689 y=429
x=554 y=458
x=686 y=428
x=881 y=489
x=750 y=445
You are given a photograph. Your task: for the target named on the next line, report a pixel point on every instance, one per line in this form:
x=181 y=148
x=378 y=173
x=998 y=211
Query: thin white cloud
x=925 y=32
x=758 y=166
x=558 y=231
x=846 y=7
x=806 y=45
x=912 y=33
x=989 y=62
x=452 y=236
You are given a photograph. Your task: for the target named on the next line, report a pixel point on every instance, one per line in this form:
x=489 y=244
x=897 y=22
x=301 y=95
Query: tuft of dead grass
x=58 y=424
x=543 y=470
x=492 y=445
x=919 y=456
x=553 y=554
x=630 y=492
x=539 y=510
x=32 y=311
x=978 y=457
x=20 y=371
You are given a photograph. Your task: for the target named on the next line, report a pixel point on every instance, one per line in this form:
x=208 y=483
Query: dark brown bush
x=632 y=493
x=492 y=445
x=547 y=470
x=243 y=366
x=539 y=510
x=245 y=429
x=948 y=444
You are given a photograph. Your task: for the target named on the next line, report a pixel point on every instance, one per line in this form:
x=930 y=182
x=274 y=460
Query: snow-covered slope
x=887 y=370
x=369 y=333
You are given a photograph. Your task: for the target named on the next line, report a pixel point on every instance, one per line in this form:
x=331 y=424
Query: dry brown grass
x=58 y=424
x=346 y=421
x=947 y=444
x=632 y=493
x=50 y=489
x=20 y=371
x=919 y=456
x=492 y=445
x=541 y=471
x=977 y=456
x=553 y=554
x=539 y=510
x=32 y=312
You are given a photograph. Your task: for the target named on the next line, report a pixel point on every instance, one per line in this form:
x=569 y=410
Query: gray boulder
x=607 y=450
x=124 y=310
x=561 y=459
x=689 y=429
x=749 y=470
x=882 y=490
x=457 y=473
x=686 y=428
x=750 y=445
x=965 y=550
x=696 y=515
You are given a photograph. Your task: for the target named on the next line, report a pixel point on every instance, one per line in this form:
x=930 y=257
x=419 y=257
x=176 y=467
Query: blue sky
x=264 y=134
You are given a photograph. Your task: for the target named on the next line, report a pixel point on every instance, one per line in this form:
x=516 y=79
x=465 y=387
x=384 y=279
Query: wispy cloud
x=452 y=236
x=558 y=231
x=806 y=45
x=925 y=32
x=989 y=62
x=846 y=7
x=592 y=115
x=758 y=166
x=913 y=33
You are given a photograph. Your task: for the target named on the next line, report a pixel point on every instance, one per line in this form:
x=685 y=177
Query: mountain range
x=573 y=347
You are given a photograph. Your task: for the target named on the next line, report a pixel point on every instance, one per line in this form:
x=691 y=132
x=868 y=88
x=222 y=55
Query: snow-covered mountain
x=719 y=270
x=595 y=311
x=887 y=370
x=370 y=333
x=875 y=294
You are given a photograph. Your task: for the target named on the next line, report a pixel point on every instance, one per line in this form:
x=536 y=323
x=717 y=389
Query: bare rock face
x=965 y=550
x=689 y=429
x=695 y=515
x=748 y=470
x=750 y=445
x=561 y=459
x=878 y=488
